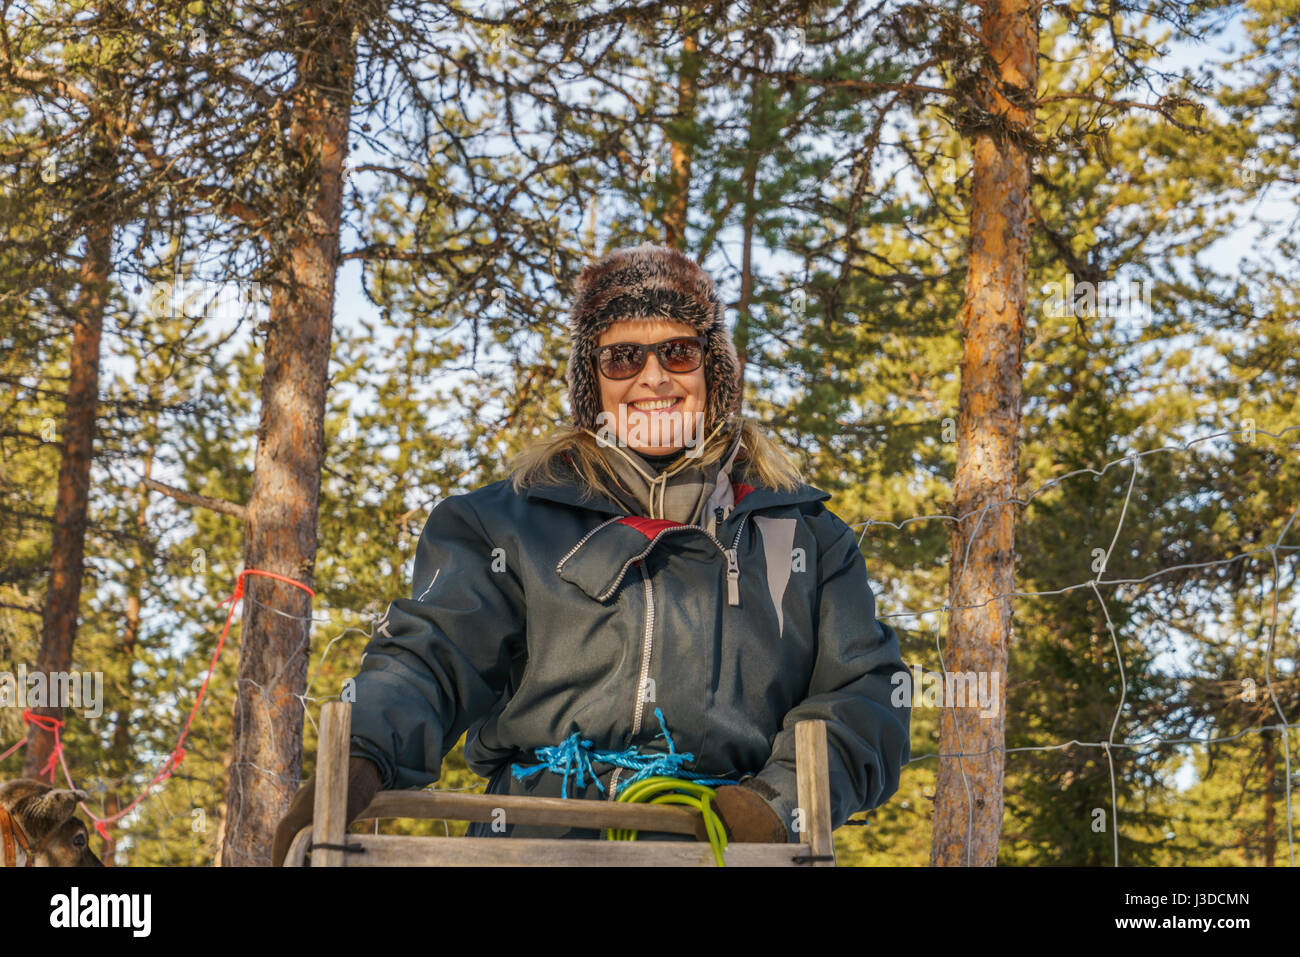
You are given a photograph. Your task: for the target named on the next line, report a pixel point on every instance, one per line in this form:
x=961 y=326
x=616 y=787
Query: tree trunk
x=750 y=186
x=966 y=828
x=281 y=515
x=682 y=148
x=63 y=596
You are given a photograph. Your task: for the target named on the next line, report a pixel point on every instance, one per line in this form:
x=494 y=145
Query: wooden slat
x=329 y=815
x=531 y=811
x=812 y=775
x=384 y=850
x=297 y=855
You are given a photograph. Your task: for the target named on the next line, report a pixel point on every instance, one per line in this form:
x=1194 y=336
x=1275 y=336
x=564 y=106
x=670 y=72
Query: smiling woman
x=625 y=594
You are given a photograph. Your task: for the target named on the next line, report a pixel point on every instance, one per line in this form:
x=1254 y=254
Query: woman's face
x=654 y=431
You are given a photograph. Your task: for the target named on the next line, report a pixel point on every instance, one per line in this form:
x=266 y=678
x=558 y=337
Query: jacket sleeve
x=440 y=659
x=854 y=689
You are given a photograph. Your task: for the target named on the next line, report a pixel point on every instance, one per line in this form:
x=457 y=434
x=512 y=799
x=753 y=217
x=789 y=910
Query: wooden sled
x=334 y=847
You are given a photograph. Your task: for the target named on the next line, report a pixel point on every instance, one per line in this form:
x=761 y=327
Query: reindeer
x=39 y=827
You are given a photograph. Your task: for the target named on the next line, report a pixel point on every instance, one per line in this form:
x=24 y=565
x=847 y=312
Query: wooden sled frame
x=334 y=847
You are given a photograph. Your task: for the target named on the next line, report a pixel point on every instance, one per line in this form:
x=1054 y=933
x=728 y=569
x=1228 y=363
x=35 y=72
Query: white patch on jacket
x=778 y=551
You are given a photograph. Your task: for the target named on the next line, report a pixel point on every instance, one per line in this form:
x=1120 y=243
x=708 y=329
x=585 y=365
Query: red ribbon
x=50 y=723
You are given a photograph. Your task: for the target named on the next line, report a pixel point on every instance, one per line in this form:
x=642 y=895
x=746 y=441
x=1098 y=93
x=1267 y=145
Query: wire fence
x=1132 y=460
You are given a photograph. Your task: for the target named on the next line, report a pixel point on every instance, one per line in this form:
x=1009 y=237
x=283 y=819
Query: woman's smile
x=650 y=406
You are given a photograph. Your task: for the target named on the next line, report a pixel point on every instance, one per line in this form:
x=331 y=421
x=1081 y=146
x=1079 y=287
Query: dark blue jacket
x=535 y=615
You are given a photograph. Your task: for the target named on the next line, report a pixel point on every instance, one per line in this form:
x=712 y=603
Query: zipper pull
x=733 y=578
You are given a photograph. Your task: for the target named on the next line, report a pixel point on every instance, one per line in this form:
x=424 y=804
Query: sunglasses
x=622 y=360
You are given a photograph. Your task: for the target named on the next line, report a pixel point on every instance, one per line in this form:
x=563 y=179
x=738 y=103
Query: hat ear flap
x=584 y=391
x=723 y=378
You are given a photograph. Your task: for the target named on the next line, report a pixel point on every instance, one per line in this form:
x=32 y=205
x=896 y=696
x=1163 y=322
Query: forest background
x=277 y=278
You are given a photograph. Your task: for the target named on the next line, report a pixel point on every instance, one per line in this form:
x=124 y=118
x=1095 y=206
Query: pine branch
x=193 y=498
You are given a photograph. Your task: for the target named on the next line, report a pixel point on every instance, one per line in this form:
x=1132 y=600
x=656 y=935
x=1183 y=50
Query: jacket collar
x=683 y=491
x=748 y=497
x=600 y=559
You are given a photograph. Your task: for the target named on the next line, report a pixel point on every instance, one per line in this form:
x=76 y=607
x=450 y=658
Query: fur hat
x=649 y=282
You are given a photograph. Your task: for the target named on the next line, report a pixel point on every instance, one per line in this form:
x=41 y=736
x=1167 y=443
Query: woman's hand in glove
x=363 y=785
x=746 y=817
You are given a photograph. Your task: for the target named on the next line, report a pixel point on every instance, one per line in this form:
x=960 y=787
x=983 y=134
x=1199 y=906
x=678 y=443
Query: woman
x=654 y=580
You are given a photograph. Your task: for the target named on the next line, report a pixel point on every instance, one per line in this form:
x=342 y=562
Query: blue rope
x=575 y=756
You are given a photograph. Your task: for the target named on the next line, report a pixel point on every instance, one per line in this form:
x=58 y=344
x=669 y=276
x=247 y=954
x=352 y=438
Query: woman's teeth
x=654 y=405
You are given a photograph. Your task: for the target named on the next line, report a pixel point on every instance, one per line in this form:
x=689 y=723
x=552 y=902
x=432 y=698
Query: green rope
x=666 y=790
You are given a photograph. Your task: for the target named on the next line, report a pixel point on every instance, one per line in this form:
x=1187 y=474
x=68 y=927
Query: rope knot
x=575 y=755
x=43 y=721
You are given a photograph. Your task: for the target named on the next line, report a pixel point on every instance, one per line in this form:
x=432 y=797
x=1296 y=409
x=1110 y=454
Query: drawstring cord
x=657 y=483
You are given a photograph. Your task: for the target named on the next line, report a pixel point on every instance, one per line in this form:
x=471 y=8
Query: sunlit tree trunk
x=682 y=148
x=280 y=522
x=967 y=823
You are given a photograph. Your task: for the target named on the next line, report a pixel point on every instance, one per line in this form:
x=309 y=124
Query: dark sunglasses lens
x=682 y=355
x=622 y=361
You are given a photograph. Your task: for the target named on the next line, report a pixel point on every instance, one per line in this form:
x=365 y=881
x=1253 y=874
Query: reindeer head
x=46 y=815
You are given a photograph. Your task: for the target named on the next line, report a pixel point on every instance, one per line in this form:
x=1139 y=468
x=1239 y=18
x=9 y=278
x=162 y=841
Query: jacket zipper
x=733 y=598
x=733 y=563
x=647 y=647
x=582 y=541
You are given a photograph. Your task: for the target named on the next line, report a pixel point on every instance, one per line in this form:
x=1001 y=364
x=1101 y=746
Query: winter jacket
x=536 y=614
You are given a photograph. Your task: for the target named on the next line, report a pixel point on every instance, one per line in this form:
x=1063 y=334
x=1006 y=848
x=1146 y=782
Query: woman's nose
x=653 y=373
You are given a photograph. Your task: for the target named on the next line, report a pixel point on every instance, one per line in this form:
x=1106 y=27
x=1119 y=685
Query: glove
x=363 y=785
x=746 y=817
